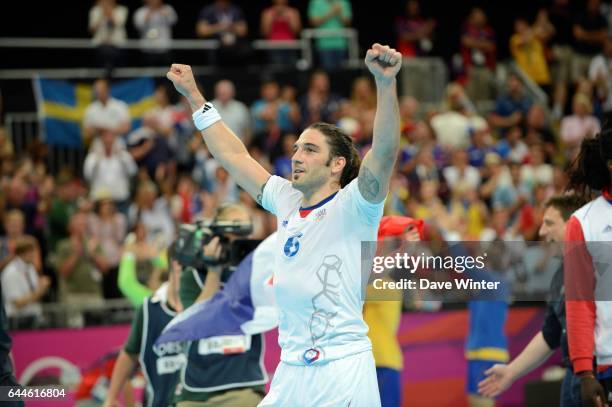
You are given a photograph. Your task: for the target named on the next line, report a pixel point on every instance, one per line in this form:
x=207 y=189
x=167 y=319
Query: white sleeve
x=276 y=193
x=171 y=16
x=369 y=212
x=139 y=18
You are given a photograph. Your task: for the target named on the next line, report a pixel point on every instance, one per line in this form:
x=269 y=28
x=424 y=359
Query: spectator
x=109 y=227
x=414 y=32
x=153 y=214
x=225 y=22
x=590 y=32
x=461 y=175
x=140 y=270
x=536 y=171
x=478 y=48
x=319 y=104
x=528 y=52
x=409 y=111
x=281 y=22
x=235 y=113
x=538 y=131
x=22 y=288
x=511 y=108
x=454 y=125
x=109 y=167
x=561 y=17
x=79 y=261
x=272 y=116
x=17 y=198
x=496 y=186
x=599 y=74
x=579 y=125
x=468 y=215
x=428 y=205
x=512 y=147
x=63 y=205
x=154 y=22
x=422 y=169
x=481 y=145
x=282 y=164
x=150 y=145
x=223 y=188
x=330 y=15
x=107 y=25
x=361 y=107
x=14 y=230
x=6 y=145
x=105 y=113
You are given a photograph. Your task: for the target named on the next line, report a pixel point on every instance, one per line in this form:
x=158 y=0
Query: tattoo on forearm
x=260 y=194
x=368 y=184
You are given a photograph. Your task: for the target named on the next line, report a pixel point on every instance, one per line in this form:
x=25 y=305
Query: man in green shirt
x=79 y=261
x=330 y=15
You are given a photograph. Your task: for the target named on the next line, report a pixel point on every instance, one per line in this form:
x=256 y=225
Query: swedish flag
x=62 y=104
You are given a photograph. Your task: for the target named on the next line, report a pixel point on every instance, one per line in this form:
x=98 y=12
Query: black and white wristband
x=205 y=116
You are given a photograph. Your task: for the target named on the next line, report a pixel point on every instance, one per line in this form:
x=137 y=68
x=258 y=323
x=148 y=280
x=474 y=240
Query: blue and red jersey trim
x=305 y=211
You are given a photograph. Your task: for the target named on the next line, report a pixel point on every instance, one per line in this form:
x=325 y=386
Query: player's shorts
x=350 y=381
x=476 y=373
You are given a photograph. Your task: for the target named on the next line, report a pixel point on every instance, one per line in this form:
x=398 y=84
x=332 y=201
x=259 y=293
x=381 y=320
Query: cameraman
x=220 y=371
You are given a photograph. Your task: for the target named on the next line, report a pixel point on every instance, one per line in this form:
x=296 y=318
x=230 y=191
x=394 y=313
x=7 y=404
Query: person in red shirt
x=478 y=49
x=587 y=259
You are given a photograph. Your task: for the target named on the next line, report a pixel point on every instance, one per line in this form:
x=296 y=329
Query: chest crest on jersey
x=319 y=215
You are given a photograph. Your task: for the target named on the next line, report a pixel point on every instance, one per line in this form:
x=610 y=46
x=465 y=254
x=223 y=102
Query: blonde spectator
x=361 y=107
x=579 y=125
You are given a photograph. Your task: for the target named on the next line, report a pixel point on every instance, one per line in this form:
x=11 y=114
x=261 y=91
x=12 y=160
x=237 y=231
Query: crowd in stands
x=486 y=176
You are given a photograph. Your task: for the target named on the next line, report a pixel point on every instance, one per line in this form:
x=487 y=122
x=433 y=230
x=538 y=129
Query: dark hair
x=340 y=145
x=566 y=204
x=589 y=171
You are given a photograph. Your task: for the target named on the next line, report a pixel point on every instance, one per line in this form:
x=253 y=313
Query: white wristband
x=205 y=116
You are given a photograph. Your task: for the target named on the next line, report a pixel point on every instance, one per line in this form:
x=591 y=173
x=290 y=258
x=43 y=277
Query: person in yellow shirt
x=528 y=52
x=383 y=316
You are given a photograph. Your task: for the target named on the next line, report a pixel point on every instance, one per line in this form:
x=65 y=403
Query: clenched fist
x=383 y=62
x=184 y=82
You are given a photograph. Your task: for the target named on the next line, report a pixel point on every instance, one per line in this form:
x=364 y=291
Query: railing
x=303 y=45
x=61 y=315
x=24 y=128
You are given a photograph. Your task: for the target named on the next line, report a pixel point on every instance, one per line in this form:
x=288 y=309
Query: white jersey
x=318 y=281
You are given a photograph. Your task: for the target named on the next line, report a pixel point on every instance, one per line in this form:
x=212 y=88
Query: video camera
x=189 y=246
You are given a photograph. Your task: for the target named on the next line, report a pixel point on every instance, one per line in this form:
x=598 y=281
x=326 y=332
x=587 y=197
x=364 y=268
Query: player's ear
x=338 y=165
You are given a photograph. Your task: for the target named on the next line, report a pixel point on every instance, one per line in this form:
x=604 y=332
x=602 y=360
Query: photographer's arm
x=222 y=143
x=127 y=281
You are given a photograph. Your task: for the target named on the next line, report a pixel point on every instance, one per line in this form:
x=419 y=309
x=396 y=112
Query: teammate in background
x=553 y=334
x=588 y=276
x=383 y=317
x=324 y=214
x=160 y=364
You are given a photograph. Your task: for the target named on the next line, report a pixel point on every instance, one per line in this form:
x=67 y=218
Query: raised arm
x=222 y=143
x=375 y=172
